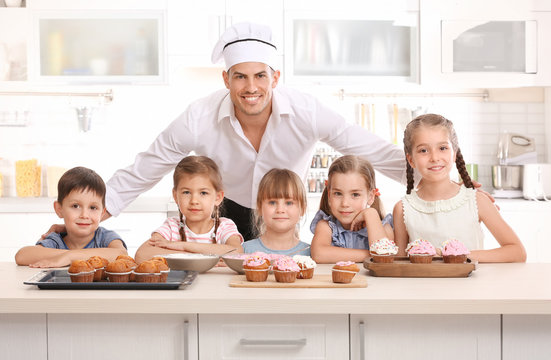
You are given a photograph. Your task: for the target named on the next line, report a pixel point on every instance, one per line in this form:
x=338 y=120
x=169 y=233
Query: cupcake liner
x=118 y=277
x=420 y=258
x=285 y=276
x=306 y=273
x=164 y=275
x=386 y=259
x=99 y=274
x=147 y=277
x=342 y=276
x=454 y=259
x=84 y=276
x=256 y=275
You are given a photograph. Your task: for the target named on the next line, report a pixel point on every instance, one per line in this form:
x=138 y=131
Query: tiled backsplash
x=127 y=126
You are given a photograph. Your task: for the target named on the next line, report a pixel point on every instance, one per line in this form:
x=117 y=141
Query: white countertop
x=491 y=289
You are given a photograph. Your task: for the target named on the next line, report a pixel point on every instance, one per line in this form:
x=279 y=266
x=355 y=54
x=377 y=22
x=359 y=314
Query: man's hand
x=57 y=228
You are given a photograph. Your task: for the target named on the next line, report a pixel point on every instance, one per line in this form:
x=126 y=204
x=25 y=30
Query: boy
x=81 y=204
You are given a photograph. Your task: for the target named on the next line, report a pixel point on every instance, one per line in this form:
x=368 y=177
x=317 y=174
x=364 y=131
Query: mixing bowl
x=191 y=262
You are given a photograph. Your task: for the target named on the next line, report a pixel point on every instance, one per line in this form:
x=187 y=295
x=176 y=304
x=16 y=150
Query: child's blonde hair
x=351 y=164
x=279 y=184
x=434 y=120
x=199 y=165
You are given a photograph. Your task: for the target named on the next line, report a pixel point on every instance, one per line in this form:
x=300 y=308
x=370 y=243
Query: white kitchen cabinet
x=425 y=337
x=195 y=27
x=530 y=221
x=273 y=336
x=450 y=28
x=526 y=337
x=13 y=44
x=116 y=336
x=351 y=42
x=23 y=229
x=23 y=336
x=135 y=227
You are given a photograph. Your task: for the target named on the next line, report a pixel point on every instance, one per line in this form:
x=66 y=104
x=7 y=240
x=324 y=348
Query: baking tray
x=402 y=267
x=60 y=280
x=318 y=281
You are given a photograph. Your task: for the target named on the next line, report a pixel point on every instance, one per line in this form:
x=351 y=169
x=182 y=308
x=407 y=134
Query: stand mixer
x=514 y=150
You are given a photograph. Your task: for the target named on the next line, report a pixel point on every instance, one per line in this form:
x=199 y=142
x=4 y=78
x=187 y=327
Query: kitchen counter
x=491 y=289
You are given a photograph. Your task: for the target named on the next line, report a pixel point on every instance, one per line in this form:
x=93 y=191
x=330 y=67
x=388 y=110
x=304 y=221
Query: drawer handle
x=186 y=340
x=362 y=340
x=272 y=342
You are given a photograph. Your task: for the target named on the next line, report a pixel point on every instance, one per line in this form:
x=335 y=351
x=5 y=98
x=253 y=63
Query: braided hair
x=434 y=120
x=199 y=165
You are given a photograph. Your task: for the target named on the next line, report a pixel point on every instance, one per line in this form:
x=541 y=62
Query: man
x=248 y=128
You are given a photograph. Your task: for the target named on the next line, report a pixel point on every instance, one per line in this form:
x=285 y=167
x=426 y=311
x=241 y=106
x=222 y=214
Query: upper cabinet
x=194 y=27
x=329 y=43
x=484 y=44
x=82 y=42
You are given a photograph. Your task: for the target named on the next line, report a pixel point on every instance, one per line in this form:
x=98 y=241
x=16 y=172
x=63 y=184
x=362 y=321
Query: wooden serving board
x=318 y=281
x=402 y=267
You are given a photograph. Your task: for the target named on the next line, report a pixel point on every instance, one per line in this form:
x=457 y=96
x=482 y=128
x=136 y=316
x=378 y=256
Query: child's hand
x=56 y=261
x=173 y=245
x=157 y=241
x=360 y=221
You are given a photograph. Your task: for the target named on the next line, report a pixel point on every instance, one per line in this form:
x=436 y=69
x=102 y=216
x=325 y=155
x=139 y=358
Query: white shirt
x=209 y=127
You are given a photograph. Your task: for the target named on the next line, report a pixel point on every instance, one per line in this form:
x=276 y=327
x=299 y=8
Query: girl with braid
x=198 y=228
x=440 y=209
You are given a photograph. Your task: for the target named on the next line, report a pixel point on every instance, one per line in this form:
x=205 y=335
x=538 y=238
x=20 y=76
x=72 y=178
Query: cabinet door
x=526 y=337
x=23 y=336
x=122 y=336
x=135 y=228
x=425 y=337
x=273 y=337
x=23 y=229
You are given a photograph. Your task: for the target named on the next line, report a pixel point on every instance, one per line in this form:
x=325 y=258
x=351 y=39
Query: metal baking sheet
x=60 y=280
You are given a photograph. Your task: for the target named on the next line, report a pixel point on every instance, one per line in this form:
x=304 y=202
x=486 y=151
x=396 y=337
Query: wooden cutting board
x=402 y=267
x=318 y=281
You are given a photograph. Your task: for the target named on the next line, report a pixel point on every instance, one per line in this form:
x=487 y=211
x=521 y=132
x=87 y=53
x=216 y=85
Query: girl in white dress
x=440 y=209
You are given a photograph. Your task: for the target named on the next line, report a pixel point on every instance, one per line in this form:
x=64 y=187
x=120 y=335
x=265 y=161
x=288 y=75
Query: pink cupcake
x=285 y=270
x=420 y=251
x=256 y=268
x=454 y=252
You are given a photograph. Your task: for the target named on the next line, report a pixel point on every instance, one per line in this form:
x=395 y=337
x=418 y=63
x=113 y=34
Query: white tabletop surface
x=491 y=289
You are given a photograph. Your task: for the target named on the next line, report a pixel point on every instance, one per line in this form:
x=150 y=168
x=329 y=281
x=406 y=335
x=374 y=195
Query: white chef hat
x=245 y=42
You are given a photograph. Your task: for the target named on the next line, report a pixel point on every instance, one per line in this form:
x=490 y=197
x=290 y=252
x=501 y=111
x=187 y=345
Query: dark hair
x=434 y=120
x=199 y=165
x=80 y=179
x=279 y=184
x=351 y=164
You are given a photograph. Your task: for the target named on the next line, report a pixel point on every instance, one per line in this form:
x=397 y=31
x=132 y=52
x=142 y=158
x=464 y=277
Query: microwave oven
x=489 y=46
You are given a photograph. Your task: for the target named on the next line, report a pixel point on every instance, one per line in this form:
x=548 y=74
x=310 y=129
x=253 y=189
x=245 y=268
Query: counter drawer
x=273 y=336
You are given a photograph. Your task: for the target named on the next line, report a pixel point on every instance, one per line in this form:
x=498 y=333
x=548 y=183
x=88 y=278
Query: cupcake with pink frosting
x=285 y=269
x=256 y=268
x=454 y=251
x=420 y=251
x=383 y=250
x=344 y=271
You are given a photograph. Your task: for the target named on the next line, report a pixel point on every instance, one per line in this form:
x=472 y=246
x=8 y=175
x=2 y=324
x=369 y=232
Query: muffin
x=99 y=264
x=132 y=264
x=118 y=271
x=148 y=272
x=306 y=265
x=81 y=271
x=420 y=251
x=256 y=268
x=454 y=251
x=344 y=271
x=163 y=268
x=383 y=250
x=160 y=258
x=285 y=270
x=263 y=255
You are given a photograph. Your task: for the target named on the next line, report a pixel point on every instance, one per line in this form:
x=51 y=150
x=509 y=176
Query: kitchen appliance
x=537 y=182
x=514 y=151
